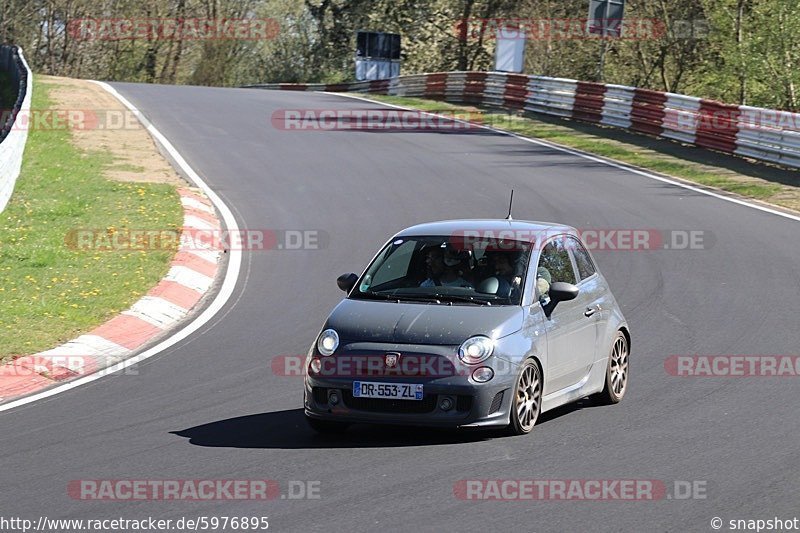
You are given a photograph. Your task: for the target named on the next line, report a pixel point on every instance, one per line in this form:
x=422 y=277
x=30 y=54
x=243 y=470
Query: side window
x=554 y=265
x=582 y=259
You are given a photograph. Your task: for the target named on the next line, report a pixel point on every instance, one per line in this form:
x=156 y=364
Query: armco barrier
x=763 y=134
x=13 y=135
x=589 y=102
x=648 y=111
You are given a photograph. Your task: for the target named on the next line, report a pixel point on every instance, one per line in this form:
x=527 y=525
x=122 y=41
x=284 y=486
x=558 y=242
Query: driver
x=505 y=272
x=443 y=268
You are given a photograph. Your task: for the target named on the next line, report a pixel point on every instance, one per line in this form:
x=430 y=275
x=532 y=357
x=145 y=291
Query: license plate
x=391 y=391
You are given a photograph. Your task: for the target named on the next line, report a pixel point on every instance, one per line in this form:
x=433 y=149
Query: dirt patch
x=105 y=125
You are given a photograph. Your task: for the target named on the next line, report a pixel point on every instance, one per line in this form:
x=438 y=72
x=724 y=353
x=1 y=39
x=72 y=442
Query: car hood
x=413 y=323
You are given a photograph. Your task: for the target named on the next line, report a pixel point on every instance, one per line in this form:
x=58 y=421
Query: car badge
x=391 y=359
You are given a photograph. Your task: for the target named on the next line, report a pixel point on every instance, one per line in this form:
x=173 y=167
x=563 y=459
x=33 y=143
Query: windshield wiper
x=373 y=295
x=394 y=297
x=458 y=298
x=438 y=298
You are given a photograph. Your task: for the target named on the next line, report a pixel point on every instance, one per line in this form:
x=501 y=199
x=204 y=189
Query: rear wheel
x=616 y=371
x=527 y=402
x=326 y=426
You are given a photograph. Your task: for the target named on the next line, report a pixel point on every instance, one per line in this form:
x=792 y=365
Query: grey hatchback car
x=468 y=323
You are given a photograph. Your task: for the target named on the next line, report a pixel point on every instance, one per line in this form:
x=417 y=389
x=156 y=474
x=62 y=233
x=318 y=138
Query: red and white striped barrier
x=762 y=134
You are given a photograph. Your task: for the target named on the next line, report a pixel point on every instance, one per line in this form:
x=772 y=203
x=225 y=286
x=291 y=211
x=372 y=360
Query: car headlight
x=476 y=350
x=328 y=342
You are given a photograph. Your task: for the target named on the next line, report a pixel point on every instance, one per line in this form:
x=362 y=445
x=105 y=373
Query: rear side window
x=582 y=259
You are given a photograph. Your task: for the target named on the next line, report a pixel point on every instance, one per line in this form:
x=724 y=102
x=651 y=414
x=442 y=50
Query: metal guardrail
x=757 y=133
x=14 y=134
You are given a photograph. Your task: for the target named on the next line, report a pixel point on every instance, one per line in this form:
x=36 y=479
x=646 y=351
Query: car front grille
x=378 y=405
x=463 y=402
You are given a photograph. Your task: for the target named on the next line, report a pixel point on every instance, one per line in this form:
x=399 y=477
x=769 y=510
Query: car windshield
x=447 y=270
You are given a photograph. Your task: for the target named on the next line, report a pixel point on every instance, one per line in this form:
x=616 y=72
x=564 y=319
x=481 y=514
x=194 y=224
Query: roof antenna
x=510 y=205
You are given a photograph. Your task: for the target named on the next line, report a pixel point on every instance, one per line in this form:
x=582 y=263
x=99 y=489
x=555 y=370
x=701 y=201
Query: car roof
x=489 y=226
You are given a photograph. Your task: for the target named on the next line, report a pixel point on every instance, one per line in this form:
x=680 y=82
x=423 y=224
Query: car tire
x=616 y=371
x=326 y=427
x=526 y=405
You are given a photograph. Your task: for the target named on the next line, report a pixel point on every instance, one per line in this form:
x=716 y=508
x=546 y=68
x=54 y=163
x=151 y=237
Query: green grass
x=49 y=291
x=605 y=142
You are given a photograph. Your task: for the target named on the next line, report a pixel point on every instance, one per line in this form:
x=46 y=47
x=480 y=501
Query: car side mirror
x=560 y=292
x=346 y=281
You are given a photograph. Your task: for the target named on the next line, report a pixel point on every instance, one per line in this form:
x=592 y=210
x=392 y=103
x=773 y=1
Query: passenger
x=543 y=280
x=443 y=268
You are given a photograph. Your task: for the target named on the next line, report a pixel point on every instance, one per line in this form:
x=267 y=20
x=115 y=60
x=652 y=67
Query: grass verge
x=49 y=291
x=759 y=181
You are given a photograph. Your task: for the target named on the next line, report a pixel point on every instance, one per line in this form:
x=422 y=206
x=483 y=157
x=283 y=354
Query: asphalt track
x=212 y=408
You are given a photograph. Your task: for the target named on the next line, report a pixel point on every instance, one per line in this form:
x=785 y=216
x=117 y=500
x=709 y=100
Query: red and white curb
x=112 y=347
x=191 y=275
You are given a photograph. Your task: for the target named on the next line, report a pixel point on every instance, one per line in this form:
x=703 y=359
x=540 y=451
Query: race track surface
x=212 y=407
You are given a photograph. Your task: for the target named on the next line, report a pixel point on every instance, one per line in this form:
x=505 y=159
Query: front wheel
x=527 y=402
x=616 y=371
x=326 y=426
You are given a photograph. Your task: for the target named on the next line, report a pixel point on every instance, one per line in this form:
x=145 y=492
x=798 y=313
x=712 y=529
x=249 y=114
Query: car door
x=593 y=296
x=570 y=334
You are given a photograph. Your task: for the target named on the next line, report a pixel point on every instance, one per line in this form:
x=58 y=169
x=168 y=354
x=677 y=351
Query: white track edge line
x=222 y=297
x=584 y=155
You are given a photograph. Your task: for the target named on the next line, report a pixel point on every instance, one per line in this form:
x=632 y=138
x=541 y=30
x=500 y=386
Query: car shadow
x=289 y=430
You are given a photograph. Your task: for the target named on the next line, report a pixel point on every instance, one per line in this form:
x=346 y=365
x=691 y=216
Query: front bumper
x=472 y=404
